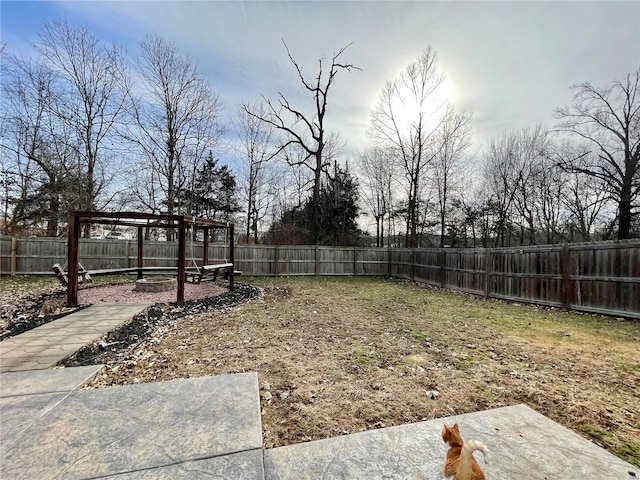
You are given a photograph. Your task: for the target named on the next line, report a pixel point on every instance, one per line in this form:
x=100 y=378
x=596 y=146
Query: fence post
x=276 y=261
x=127 y=253
x=487 y=273
x=205 y=246
x=389 y=260
x=316 y=270
x=14 y=256
x=413 y=264
x=355 y=262
x=443 y=266
x=232 y=255
x=565 y=265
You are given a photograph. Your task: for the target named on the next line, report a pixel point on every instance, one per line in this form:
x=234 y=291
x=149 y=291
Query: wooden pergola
x=141 y=221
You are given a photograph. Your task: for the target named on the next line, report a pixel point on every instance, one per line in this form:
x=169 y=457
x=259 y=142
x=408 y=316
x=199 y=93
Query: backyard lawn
x=342 y=355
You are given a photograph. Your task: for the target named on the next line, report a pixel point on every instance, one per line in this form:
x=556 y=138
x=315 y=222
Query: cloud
x=511 y=63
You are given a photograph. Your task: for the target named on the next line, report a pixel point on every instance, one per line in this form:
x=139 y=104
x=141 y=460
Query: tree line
x=85 y=127
x=577 y=181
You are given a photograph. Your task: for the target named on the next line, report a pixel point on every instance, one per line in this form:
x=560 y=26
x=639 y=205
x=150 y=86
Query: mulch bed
x=116 y=346
x=31 y=311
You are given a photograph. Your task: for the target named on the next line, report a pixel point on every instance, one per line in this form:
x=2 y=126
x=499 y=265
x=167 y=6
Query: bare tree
x=176 y=121
x=534 y=184
x=449 y=165
x=44 y=159
x=608 y=119
x=551 y=190
x=376 y=185
x=256 y=146
x=502 y=176
x=305 y=130
x=585 y=197
x=406 y=117
x=473 y=208
x=88 y=97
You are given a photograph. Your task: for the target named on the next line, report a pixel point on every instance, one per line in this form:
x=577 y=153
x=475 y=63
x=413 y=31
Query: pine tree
x=335 y=217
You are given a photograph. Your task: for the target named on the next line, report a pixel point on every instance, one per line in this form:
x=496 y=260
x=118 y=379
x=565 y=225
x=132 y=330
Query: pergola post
x=140 y=252
x=72 y=260
x=182 y=255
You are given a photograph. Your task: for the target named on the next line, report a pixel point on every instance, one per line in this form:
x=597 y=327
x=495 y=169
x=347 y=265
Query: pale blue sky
x=510 y=63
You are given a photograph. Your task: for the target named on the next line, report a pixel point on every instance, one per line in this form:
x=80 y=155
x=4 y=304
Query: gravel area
x=125 y=293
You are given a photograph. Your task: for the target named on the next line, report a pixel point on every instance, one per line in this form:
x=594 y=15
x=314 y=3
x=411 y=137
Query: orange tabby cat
x=460 y=460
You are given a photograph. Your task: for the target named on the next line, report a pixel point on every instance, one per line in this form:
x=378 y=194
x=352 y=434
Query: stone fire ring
x=161 y=284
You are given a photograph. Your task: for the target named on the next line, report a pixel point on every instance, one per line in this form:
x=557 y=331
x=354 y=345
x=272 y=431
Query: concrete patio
x=210 y=427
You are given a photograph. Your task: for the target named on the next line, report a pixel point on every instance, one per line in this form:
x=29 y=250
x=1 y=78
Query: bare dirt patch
x=343 y=355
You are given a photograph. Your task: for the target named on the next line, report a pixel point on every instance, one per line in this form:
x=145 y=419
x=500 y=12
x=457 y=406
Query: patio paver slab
x=45 y=381
x=138 y=427
x=523 y=444
x=46 y=345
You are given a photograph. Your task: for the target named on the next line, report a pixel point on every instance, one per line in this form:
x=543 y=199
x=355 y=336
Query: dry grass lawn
x=342 y=355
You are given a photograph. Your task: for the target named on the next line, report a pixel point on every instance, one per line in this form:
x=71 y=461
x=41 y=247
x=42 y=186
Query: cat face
x=451 y=435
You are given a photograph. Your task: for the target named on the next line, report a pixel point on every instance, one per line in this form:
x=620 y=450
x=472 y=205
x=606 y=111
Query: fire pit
x=161 y=284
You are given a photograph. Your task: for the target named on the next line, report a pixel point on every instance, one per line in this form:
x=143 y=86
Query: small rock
x=471 y=346
x=433 y=394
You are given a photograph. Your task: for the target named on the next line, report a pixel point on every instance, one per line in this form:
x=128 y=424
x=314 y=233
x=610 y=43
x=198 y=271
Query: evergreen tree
x=335 y=218
x=212 y=194
x=338 y=210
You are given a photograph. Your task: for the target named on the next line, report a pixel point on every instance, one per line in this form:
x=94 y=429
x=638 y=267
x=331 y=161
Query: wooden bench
x=208 y=272
x=114 y=271
x=63 y=277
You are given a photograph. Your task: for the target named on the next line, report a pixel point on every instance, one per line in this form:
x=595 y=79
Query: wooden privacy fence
x=36 y=255
x=591 y=277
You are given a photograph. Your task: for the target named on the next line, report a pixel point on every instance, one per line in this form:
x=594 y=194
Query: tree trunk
x=624 y=225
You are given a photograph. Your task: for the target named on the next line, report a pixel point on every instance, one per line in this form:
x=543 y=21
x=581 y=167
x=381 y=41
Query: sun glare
x=407 y=110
